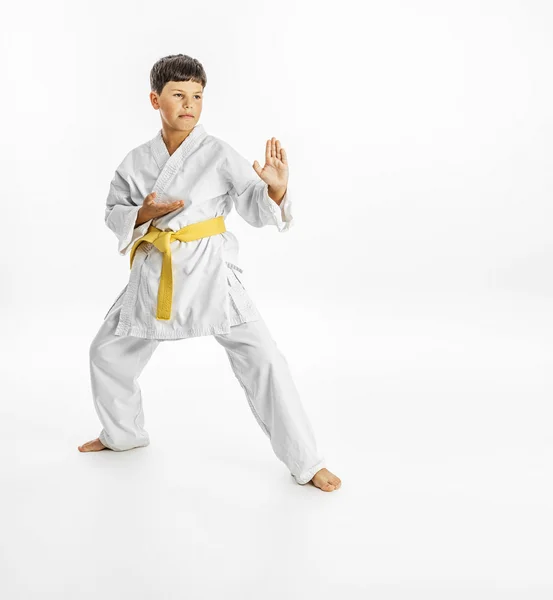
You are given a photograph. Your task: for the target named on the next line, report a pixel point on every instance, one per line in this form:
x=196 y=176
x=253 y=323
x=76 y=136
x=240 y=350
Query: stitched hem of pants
x=307 y=476
x=104 y=441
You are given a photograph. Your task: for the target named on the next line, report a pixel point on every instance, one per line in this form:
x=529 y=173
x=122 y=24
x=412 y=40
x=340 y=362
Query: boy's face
x=179 y=98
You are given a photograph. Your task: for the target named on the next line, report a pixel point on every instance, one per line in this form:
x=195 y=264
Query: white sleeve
x=120 y=215
x=250 y=194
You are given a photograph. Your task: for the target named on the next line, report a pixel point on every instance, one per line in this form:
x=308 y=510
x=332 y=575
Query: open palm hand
x=275 y=171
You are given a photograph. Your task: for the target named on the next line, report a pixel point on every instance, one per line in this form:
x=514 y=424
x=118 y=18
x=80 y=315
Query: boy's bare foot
x=326 y=481
x=92 y=446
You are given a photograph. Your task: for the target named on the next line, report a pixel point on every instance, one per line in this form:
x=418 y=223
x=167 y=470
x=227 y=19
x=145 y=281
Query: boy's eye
x=196 y=96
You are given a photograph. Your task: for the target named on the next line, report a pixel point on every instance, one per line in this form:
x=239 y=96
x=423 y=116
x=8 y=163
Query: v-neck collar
x=159 y=149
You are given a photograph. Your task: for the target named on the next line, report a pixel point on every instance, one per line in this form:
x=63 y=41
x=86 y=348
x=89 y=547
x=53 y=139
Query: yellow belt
x=162 y=241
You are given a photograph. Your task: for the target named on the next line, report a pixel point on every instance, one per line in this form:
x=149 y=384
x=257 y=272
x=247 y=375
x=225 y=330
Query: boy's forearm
x=140 y=220
x=276 y=194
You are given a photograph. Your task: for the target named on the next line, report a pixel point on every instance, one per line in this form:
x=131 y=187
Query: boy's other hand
x=275 y=171
x=151 y=209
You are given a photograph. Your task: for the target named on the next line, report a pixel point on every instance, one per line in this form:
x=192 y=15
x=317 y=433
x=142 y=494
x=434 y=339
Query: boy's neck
x=173 y=138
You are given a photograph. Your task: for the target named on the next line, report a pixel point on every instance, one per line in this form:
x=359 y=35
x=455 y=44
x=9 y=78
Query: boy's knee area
x=100 y=354
x=263 y=356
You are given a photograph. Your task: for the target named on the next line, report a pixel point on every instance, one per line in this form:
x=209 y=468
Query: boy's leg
x=115 y=364
x=263 y=373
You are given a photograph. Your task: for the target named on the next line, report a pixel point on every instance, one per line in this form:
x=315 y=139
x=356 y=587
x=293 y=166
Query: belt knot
x=162 y=241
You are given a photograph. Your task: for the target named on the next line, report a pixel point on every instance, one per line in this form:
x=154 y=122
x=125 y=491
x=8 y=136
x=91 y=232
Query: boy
x=184 y=282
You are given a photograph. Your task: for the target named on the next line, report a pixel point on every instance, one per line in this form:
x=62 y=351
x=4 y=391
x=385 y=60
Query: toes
x=85 y=446
x=331 y=485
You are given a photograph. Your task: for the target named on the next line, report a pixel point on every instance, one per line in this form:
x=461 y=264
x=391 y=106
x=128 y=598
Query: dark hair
x=176 y=67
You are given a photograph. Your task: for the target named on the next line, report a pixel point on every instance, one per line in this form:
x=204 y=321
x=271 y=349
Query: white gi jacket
x=210 y=176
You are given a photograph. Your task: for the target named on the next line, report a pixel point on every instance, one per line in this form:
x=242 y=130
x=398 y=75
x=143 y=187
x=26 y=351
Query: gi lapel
x=169 y=165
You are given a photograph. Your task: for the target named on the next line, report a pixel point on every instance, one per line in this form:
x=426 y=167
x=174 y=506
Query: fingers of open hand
x=167 y=207
x=270 y=149
x=158 y=209
x=274 y=150
x=175 y=205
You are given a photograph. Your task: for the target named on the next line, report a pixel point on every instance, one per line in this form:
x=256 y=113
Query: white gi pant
x=116 y=362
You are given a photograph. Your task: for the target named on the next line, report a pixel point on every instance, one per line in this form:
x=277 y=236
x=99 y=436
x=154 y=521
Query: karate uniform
x=208 y=295
x=211 y=177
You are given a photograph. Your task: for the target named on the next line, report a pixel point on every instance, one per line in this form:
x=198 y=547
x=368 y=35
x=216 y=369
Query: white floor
x=435 y=412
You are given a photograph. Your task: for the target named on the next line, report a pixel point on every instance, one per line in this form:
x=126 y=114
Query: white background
x=412 y=299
